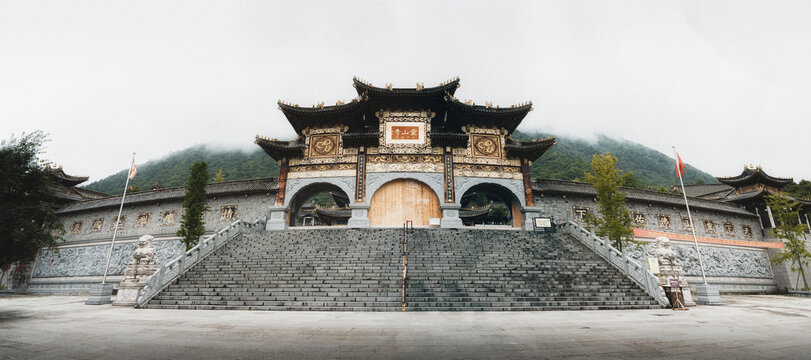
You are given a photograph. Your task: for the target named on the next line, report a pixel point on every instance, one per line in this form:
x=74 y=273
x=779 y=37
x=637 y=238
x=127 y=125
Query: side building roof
x=238 y=187
x=584 y=189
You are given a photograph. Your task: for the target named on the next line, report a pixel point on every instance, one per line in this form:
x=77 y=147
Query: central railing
x=408 y=228
x=177 y=267
x=638 y=273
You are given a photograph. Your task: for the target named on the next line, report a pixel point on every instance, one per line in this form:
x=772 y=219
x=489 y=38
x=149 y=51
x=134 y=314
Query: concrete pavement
x=62 y=327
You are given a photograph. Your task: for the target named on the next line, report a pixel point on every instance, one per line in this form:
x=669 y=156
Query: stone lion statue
x=662 y=250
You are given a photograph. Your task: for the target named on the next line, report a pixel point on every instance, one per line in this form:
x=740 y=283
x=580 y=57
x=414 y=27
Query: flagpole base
x=707 y=295
x=100 y=294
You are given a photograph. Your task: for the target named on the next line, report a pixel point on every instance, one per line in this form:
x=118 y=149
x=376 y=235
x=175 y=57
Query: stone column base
x=100 y=294
x=450 y=217
x=530 y=213
x=278 y=218
x=707 y=294
x=360 y=216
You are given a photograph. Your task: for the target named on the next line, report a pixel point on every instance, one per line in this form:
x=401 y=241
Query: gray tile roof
x=571 y=187
x=176 y=193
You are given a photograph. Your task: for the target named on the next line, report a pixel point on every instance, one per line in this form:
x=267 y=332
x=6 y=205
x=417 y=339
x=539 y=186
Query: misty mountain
x=567 y=160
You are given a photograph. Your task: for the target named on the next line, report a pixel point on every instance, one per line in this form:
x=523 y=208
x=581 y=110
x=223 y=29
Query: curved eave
x=338 y=213
x=450 y=87
x=749 y=176
x=530 y=150
x=507 y=117
x=280 y=149
x=302 y=117
x=68 y=180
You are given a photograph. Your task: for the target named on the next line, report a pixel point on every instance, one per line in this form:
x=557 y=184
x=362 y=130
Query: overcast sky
x=727 y=82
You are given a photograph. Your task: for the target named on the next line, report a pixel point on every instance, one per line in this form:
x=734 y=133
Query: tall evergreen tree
x=615 y=220
x=27 y=193
x=790 y=230
x=192 y=225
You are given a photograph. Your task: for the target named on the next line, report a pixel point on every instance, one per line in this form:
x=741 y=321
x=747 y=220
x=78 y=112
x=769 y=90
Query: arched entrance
x=403 y=199
x=319 y=204
x=490 y=204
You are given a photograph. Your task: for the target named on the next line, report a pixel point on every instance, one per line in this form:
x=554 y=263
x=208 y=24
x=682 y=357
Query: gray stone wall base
x=530 y=213
x=360 y=216
x=100 y=294
x=450 y=217
x=707 y=294
x=278 y=218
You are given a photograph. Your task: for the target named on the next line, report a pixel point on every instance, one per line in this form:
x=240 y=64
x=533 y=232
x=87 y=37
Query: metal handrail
x=164 y=276
x=406 y=230
x=630 y=268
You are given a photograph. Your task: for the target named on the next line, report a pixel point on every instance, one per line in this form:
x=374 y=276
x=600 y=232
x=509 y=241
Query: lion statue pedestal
x=144 y=263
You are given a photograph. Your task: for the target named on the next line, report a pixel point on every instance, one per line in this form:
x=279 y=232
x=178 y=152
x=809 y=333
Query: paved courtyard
x=62 y=327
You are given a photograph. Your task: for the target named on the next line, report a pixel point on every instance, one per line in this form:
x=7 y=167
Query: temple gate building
x=404 y=154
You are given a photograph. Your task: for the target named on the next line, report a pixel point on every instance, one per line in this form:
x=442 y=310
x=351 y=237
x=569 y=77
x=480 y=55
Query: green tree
x=27 y=194
x=632 y=182
x=218 y=176
x=192 y=225
x=498 y=215
x=801 y=190
x=790 y=230
x=615 y=220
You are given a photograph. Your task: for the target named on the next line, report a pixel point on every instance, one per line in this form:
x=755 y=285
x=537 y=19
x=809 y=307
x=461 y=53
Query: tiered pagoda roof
x=755 y=175
x=451 y=115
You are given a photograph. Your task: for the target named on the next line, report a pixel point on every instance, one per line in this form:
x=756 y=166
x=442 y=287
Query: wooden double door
x=403 y=199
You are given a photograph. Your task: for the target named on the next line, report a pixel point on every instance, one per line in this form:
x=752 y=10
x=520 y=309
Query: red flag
x=679 y=166
x=132 y=170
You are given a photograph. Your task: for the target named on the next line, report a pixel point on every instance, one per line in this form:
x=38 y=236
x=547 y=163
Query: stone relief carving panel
x=718 y=261
x=90 y=260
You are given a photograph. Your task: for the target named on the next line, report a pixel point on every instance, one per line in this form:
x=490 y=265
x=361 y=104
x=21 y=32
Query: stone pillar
x=530 y=213
x=360 y=216
x=278 y=218
x=450 y=216
x=529 y=196
x=771 y=217
x=450 y=191
x=707 y=294
x=282 y=182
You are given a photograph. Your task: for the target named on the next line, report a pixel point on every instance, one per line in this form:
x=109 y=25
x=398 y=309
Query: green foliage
x=615 y=222
x=498 y=215
x=632 y=182
x=194 y=205
x=790 y=230
x=801 y=190
x=27 y=217
x=218 y=176
x=173 y=170
x=322 y=200
x=570 y=158
x=134 y=189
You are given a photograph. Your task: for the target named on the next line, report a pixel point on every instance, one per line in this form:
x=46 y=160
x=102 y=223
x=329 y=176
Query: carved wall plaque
x=729 y=229
x=404 y=132
x=639 y=218
x=168 y=217
x=142 y=219
x=324 y=145
x=76 y=228
x=228 y=213
x=664 y=221
x=709 y=226
x=119 y=223
x=580 y=213
x=685 y=224
x=485 y=145
x=747 y=231
x=96 y=225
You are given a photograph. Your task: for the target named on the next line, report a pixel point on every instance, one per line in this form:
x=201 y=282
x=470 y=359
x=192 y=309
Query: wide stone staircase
x=362 y=270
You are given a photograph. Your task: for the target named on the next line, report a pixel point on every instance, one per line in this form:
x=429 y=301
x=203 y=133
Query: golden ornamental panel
x=485 y=146
x=324 y=145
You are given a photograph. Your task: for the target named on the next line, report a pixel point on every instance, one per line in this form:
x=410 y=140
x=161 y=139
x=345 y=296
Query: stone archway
x=501 y=194
x=336 y=214
x=400 y=200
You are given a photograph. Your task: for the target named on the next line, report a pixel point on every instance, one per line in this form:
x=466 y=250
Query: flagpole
x=117 y=221
x=689 y=216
